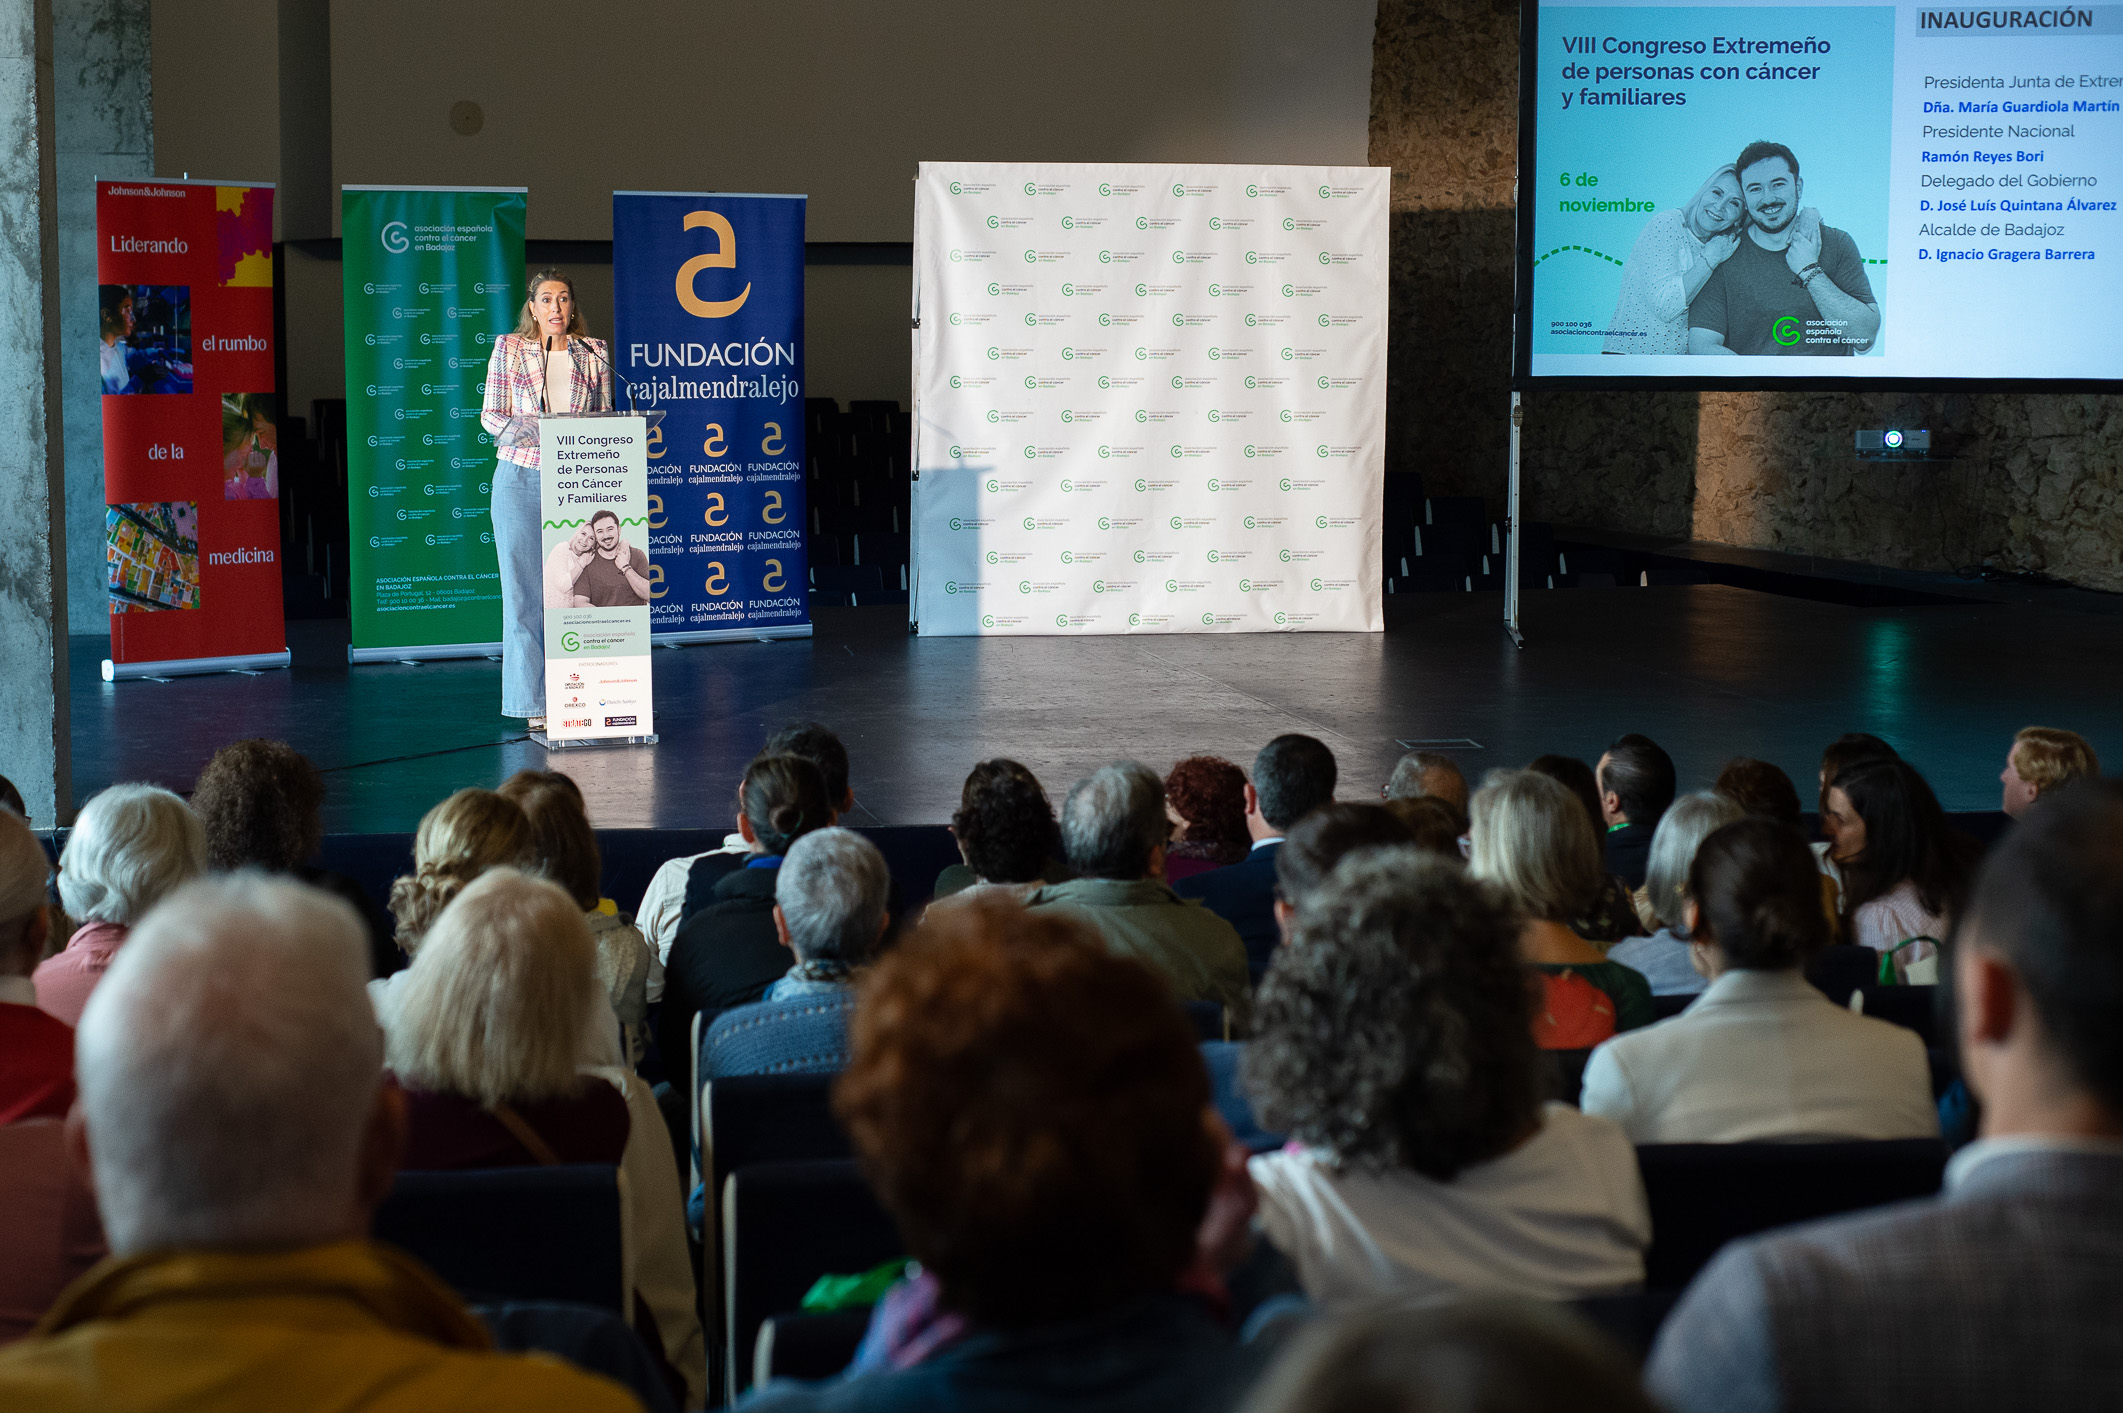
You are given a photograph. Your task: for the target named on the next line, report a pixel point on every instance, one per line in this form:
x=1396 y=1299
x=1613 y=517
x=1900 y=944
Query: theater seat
x=596 y=1340
x=1705 y=1194
x=512 y=1234
x=1630 y=1319
x=808 y=1345
x=785 y=1225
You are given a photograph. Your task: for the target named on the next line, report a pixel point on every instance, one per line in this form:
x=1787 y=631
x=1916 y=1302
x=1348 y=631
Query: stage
x=1707 y=670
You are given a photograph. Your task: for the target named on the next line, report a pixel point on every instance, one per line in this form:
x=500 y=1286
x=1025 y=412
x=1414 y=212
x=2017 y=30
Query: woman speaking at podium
x=550 y=367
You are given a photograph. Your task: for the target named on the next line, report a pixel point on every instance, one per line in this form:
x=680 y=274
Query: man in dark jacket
x=1636 y=783
x=1292 y=776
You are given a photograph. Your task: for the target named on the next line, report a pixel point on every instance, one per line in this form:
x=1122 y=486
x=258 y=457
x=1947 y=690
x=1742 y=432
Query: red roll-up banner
x=191 y=467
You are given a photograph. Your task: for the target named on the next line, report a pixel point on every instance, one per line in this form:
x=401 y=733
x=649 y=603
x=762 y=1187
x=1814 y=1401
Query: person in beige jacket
x=1760 y=1055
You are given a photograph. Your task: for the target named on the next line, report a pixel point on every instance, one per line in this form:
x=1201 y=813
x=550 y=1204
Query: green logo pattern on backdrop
x=1152 y=398
x=431 y=278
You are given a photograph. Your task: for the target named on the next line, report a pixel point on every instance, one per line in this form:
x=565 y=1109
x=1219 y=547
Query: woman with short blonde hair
x=2041 y=759
x=132 y=846
x=492 y=1007
x=485 y=1036
x=1533 y=841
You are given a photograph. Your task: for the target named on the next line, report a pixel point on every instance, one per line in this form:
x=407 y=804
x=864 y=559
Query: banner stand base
x=542 y=739
x=193 y=666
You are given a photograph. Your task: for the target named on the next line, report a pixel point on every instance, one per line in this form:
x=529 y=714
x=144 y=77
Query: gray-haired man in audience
x=1114 y=830
x=2002 y=1292
x=235 y=1120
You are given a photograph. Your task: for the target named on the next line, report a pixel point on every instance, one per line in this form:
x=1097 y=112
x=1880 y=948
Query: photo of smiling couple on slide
x=1745 y=268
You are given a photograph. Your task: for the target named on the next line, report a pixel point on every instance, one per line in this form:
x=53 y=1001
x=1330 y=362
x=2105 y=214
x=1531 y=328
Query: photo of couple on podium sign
x=541 y=378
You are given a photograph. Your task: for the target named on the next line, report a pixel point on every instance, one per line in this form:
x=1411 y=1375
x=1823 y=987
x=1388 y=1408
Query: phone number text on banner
x=432 y=277
x=708 y=295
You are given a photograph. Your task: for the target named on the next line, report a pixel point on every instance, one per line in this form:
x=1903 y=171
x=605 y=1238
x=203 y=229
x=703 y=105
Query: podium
x=597 y=577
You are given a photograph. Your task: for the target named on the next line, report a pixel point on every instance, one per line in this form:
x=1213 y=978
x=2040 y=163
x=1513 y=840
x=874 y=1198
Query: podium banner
x=191 y=466
x=432 y=276
x=708 y=310
x=598 y=582
x=1148 y=398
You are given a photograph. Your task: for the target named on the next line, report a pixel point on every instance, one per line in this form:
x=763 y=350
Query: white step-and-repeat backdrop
x=1148 y=398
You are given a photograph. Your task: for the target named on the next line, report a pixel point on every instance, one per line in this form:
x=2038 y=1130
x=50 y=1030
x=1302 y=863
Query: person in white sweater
x=1761 y=1055
x=1394 y=1044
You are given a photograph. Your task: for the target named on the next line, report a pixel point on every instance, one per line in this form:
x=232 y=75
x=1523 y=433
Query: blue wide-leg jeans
x=517 y=545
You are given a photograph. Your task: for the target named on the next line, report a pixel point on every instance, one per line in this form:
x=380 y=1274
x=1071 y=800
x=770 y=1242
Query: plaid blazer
x=516 y=386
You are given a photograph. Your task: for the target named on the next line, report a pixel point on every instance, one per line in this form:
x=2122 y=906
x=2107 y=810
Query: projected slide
x=1752 y=192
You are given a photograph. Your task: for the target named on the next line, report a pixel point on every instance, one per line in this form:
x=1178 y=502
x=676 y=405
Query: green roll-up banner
x=433 y=275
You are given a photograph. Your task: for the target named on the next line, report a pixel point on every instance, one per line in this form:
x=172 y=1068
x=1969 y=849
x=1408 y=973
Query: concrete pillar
x=101 y=111
x=33 y=689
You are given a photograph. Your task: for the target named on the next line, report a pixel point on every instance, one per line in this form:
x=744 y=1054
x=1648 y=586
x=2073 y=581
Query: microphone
x=543 y=405
x=614 y=371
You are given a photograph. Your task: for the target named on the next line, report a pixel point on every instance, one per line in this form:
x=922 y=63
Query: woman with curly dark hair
x=1392 y=1043
x=1205 y=798
x=1006 y=834
x=262 y=804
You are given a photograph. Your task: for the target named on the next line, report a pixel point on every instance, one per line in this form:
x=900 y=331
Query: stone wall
x=2038 y=485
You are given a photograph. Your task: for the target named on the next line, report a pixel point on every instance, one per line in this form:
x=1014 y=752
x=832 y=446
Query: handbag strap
x=520 y=1129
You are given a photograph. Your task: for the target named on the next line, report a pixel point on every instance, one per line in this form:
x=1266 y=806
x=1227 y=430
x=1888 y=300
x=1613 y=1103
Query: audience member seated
x=1392 y=1045
x=484 y=1041
x=50 y=1234
x=682 y=886
x=262 y=805
x=1476 y=1356
x=727 y=953
x=1428 y=775
x=233 y=1109
x=36 y=1048
x=2042 y=759
x=11 y=800
x=1532 y=840
x=1205 y=798
x=1904 y=869
x=1113 y=828
x=1006 y=835
x=1322 y=839
x=1664 y=957
x=1033 y=1114
x=2002 y=1291
x=1636 y=783
x=1846 y=750
x=1292 y=776
x=132 y=845
x=1437 y=828
x=1760 y=788
x=564 y=849
x=457 y=841
x=829 y=911
x=1615 y=914
x=1762 y=1054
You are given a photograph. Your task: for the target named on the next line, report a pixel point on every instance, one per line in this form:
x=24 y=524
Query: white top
x=655 y=1226
x=111 y=364
x=1560 y=1216
x=559 y=389
x=1892 y=919
x=1763 y=1055
x=663 y=903
x=1651 y=314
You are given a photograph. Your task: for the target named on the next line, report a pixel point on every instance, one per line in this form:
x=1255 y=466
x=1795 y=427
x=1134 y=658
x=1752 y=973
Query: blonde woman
x=549 y=367
x=482 y=1040
x=458 y=840
x=1669 y=265
x=132 y=846
x=1532 y=839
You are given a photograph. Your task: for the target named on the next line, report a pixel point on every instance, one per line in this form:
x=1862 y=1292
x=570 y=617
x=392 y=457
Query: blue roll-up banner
x=707 y=294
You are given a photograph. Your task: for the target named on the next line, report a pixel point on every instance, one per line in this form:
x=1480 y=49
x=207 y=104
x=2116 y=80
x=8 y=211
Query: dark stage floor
x=1709 y=671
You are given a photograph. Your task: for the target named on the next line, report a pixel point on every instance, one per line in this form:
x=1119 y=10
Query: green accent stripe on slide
x=565 y=524
x=1586 y=249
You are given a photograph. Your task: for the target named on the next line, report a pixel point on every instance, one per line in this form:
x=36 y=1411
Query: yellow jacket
x=325 y=1328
